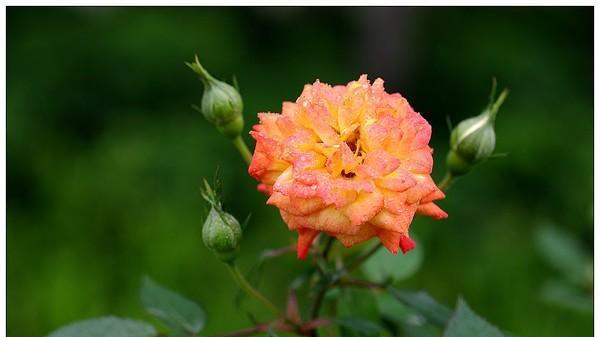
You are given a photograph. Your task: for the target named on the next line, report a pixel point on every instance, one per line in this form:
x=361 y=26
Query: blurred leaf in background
x=562 y=250
x=106 y=326
x=383 y=266
x=178 y=313
x=105 y=156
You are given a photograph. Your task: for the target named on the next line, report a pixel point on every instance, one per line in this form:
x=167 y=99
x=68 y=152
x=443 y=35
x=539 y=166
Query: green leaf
x=392 y=309
x=402 y=318
x=354 y=302
x=178 y=333
x=383 y=265
x=106 y=327
x=465 y=323
x=418 y=330
x=424 y=304
x=174 y=310
x=254 y=275
x=566 y=295
x=360 y=325
x=304 y=277
x=562 y=251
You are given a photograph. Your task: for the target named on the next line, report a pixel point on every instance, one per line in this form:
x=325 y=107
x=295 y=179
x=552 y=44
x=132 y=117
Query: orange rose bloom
x=351 y=161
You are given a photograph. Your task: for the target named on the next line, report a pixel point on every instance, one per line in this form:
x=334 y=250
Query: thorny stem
x=249 y=289
x=241 y=146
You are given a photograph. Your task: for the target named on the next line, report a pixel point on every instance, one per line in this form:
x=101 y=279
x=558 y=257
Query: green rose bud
x=221 y=105
x=474 y=139
x=221 y=232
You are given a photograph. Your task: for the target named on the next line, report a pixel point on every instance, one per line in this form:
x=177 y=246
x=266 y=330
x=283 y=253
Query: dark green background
x=105 y=155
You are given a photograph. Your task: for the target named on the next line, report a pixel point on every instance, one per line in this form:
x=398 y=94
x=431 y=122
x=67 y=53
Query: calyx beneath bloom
x=350 y=161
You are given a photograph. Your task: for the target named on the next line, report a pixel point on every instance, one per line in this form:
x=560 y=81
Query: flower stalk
x=242 y=148
x=249 y=289
x=446 y=182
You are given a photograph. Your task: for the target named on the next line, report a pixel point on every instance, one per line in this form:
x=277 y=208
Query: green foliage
x=178 y=333
x=360 y=325
x=399 y=318
x=465 y=323
x=255 y=273
x=424 y=304
x=356 y=302
x=563 y=252
x=106 y=327
x=417 y=329
x=566 y=295
x=174 y=310
x=383 y=266
x=390 y=308
x=567 y=255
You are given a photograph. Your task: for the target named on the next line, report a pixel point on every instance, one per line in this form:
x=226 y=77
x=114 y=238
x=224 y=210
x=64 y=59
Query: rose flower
x=351 y=161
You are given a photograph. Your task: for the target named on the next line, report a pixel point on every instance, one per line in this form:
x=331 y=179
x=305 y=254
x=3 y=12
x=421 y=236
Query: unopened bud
x=474 y=139
x=221 y=232
x=221 y=105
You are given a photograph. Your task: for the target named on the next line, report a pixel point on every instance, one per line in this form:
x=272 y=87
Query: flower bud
x=221 y=232
x=221 y=105
x=474 y=139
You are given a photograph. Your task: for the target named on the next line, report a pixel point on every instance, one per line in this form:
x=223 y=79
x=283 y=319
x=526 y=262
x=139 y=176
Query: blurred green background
x=105 y=155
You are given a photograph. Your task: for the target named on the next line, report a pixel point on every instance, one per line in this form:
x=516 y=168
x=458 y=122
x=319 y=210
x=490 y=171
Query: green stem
x=496 y=105
x=249 y=289
x=350 y=282
x=239 y=144
x=314 y=312
x=362 y=258
x=328 y=246
x=316 y=306
x=444 y=185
